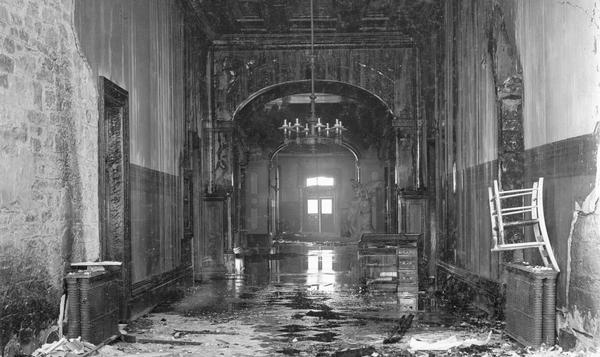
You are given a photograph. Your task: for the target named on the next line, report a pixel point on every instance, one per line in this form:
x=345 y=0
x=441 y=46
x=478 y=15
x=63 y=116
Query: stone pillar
x=405 y=167
x=217 y=235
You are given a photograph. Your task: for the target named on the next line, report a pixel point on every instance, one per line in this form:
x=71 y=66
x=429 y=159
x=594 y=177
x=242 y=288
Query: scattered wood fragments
x=179 y=333
x=168 y=342
x=400 y=329
x=70 y=347
x=103 y=343
x=446 y=344
x=64 y=347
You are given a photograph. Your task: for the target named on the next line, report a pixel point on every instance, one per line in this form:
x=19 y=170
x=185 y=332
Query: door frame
x=273 y=198
x=111 y=96
x=319 y=197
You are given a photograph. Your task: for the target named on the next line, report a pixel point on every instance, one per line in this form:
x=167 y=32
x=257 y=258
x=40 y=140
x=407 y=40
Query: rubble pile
x=65 y=347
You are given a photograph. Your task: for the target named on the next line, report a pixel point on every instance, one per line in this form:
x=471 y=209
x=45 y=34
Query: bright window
x=326 y=206
x=319 y=181
x=313 y=263
x=313 y=206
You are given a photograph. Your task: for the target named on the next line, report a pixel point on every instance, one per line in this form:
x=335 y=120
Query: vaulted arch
x=279 y=90
x=367 y=116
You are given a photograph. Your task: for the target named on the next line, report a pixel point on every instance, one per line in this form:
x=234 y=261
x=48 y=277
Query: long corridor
x=298 y=299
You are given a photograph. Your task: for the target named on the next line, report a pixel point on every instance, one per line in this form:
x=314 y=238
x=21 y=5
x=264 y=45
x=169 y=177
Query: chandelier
x=312 y=131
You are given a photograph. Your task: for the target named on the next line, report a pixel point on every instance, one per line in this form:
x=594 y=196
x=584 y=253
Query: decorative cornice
x=322 y=41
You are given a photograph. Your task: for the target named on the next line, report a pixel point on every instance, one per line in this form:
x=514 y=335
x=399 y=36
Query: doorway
x=319 y=216
x=113 y=179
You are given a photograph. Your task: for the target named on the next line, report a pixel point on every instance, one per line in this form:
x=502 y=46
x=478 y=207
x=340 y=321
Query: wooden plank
x=521 y=223
x=519 y=209
x=515 y=246
x=105 y=263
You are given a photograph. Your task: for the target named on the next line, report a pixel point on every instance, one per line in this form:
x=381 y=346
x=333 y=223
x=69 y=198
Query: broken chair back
x=520 y=208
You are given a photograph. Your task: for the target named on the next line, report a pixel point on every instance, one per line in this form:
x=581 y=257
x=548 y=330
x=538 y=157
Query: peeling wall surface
x=558 y=46
x=48 y=140
x=553 y=47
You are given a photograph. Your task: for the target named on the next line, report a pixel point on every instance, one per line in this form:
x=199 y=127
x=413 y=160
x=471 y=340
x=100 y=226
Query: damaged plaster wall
x=48 y=153
x=541 y=60
x=581 y=315
x=558 y=46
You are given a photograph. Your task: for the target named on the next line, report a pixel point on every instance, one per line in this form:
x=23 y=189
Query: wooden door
x=319 y=215
x=113 y=176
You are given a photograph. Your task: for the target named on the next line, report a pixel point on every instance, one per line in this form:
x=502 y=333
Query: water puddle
x=325 y=314
x=289 y=351
x=323 y=337
x=294 y=328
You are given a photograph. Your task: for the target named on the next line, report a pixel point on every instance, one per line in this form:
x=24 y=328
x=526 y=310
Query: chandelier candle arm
x=312 y=128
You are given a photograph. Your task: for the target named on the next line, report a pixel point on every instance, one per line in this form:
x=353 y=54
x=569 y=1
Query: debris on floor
x=285 y=316
x=356 y=352
x=400 y=329
x=446 y=344
x=71 y=347
x=64 y=347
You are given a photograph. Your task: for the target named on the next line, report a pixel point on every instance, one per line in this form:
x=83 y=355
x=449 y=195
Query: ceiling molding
x=226 y=18
x=322 y=40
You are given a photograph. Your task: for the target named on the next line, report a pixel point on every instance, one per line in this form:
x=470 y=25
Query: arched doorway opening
x=275 y=195
x=311 y=190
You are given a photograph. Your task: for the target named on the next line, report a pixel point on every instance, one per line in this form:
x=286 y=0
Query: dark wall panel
x=568 y=168
x=140 y=46
x=470 y=143
x=156 y=228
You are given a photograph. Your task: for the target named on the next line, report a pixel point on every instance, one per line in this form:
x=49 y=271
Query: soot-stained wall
x=521 y=89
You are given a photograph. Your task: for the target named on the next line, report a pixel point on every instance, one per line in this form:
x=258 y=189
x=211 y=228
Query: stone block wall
x=48 y=148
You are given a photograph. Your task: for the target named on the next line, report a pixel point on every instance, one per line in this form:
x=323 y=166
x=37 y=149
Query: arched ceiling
x=367 y=118
x=257 y=100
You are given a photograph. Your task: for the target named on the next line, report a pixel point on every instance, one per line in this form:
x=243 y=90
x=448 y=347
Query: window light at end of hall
x=319 y=181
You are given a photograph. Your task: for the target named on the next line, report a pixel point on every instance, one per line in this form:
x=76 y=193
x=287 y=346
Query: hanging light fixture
x=313 y=130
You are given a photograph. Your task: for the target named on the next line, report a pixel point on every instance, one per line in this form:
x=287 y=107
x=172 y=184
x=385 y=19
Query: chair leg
x=539 y=237
x=493 y=211
x=542 y=224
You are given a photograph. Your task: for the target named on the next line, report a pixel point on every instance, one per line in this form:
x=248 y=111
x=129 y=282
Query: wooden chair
x=531 y=211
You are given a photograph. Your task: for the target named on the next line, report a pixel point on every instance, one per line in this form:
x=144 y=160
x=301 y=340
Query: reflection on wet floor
x=297 y=298
x=315 y=266
x=297 y=275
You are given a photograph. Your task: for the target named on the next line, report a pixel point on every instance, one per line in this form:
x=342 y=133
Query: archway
x=318 y=177
x=283 y=89
x=371 y=139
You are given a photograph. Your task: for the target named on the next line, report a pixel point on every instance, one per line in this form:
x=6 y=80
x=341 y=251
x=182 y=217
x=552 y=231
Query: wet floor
x=302 y=299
